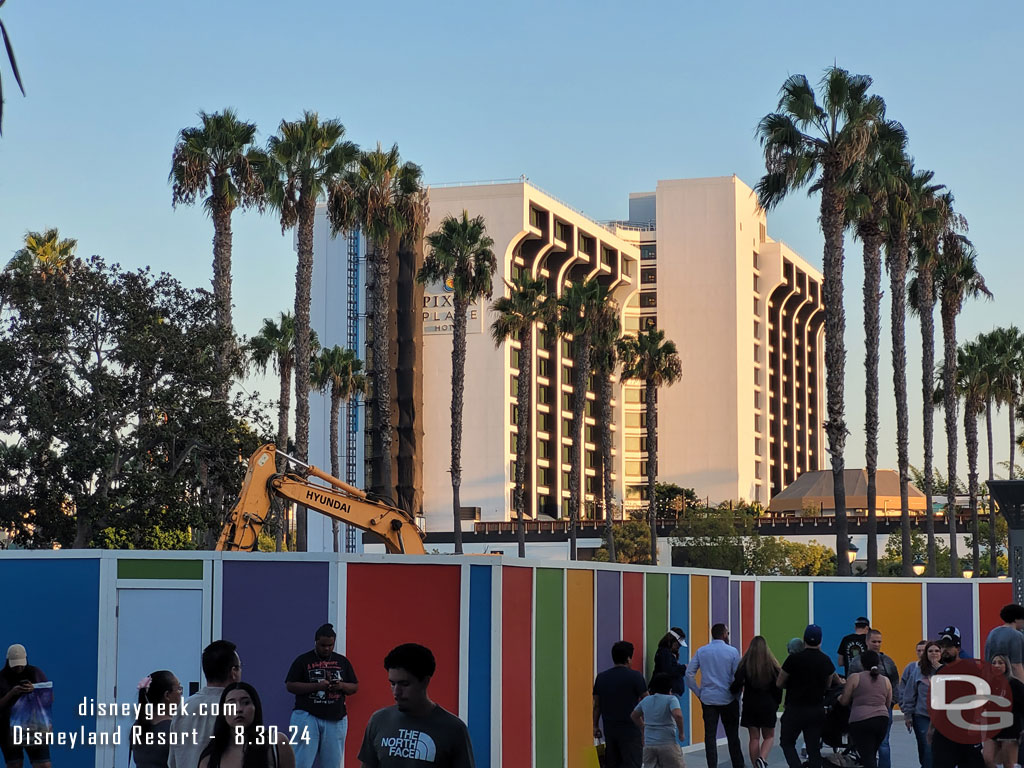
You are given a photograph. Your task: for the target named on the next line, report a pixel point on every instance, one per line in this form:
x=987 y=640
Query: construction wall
x=517 y=642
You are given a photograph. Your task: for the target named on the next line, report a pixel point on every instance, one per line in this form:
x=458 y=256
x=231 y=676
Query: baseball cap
x=679 y=635
x=16 y=656
x=952 y=633
x=812 y=634
x=861 y=621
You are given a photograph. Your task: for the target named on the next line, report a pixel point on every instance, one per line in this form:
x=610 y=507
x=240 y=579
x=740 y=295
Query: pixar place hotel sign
x=439 y=310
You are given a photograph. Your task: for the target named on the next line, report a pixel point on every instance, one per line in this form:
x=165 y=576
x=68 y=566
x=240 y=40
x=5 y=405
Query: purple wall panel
x=735 y=630
x=270 y=611
x=952 y=603
x=719 y=600
x=609 y=609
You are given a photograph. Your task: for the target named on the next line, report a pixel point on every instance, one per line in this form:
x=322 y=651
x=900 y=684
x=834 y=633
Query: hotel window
x=513 y=443
x=649 y=275
x=543 y=449
x=757 y=423
x=544 y=367
x=755 y=260
x=567 y=428
x=543 y=394
x=607 y=257
x=566 y=454
x=757 y=285
x=648 y=299
x=757 y=329
x=592 y=459
x=763 y=232
x=757 y=353
x=544 y=476
x=636 y=444
x=544 y=421
x=757 y=470
x=590 y=409
x=757 y=400
x=648 y=323
x=627 y=268
x=635 y=468
x=563 y=231
x=567 y=401
x=632 y=324
x=585 y=244
x=566 y=349
x=757 y=307
x=538 y=218
x=515 y=414
x=592 y=484
x=648 y=252
x=567 y=374
x=757 y=446
x=514 y=358
x=514 y=388
x=565 y=481
x=590 y=434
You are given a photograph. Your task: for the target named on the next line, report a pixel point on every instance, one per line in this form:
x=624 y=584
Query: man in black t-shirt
x=416 y=731
x=853 y=645
x=320 y=680
x=805 y=676
x=616 y=692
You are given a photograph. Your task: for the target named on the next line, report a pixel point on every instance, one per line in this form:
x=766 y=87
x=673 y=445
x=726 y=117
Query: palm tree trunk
x=949 y=313
x=303 y=287
x=872 y=332
x=1013 y=433
x=993 y=566
x=926 y=285
x=458 y=390
x=335 y=458
x=988 y=430
x=833 y=204
x=581 y=375
x=523 y=432
x=382 y=365
x=608 y=487
x=652 y=465
x=284 y=406
x=222 y=289
x=971 y=433
x=898 y=289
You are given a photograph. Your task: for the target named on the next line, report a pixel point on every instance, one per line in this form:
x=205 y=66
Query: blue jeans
x=924 y=749
x=884 y=755
x=326 y=739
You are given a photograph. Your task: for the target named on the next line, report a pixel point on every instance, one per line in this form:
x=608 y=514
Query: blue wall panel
x=51 y=606
x=479 y=716
x=836 y=605
x=679 y=616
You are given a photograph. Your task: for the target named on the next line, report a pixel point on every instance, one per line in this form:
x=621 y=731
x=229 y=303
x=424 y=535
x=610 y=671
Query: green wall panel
x=656 y=616
x=549 y=688
x=160 y=569
x=783 y=613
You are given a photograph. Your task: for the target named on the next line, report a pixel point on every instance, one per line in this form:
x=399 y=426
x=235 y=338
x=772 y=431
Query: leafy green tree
x=516 y=315
x=14 y=69
x=652 y=359
x=305 y=162
x=220 y=162
x=461 y=251
x=674 y=497
x=44 y=254
x=632 y=542
x=771 y=556
x=111 y=412
x=891 y=563
x=338 y=371
x=807 y=143
x=711 y=540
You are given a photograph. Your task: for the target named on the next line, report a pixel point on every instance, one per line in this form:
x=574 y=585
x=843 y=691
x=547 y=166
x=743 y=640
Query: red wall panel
x=388 y=605
x=991 y=598
x=516 y=666
x=633 y=615
x=747 y=612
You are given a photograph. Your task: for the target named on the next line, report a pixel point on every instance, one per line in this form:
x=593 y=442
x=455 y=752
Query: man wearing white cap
x=17 y=679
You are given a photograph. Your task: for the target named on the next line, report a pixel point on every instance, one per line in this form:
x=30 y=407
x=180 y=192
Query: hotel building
x=745 y=313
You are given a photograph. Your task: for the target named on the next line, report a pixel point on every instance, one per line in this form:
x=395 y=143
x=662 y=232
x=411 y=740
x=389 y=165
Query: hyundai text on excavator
x=341 y=501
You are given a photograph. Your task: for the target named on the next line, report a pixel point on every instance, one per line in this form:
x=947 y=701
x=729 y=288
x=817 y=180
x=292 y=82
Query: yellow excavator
x=340 y=501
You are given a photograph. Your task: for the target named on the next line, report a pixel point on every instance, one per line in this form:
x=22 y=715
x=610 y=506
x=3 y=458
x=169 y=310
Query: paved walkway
x=902 y=744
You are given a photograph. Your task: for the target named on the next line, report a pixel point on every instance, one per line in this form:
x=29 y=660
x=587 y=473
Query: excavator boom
x=341 y=502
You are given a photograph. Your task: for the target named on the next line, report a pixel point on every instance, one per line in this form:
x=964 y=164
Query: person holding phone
x=17 y=679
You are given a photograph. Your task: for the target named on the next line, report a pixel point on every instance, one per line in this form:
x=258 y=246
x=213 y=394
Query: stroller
x=834 y=733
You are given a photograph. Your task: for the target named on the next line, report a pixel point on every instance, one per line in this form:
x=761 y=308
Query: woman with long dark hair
x=869 y=696
x=756 y=676
x=159 y=700
x=666 y=659
x=239 y=738
x=915 y=700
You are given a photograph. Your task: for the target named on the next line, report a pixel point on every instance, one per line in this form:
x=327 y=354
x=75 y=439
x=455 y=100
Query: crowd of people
x=222 y=724
x=848 y=704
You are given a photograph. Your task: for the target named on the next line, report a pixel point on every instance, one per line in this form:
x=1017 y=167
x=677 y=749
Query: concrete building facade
x=745 y=313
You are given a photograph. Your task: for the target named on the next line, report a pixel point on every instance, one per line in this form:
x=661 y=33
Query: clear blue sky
x=590 y=100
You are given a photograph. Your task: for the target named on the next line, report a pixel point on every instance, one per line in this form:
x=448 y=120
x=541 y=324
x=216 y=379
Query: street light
x=919 y=566
x=968 y=573
x=851 y=552
x=1001 y=574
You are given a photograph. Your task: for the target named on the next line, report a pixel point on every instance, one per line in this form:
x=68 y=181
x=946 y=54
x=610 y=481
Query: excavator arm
x=340 y=501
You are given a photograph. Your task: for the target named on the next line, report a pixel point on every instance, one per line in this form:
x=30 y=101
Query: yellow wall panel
x=580 y=668
x=700 y=634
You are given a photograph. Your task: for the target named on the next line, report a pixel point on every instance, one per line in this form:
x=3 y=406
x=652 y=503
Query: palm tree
x=922 y=296
x=971 y=386
x=652 y=359
x=879 y=178
x=807 y=143
x=957 y=278
x=305 y=162
x=579 y=312
x=990 y=359
x=906 y=209
x=517 y=313
x=377 y=191
x=221 y=159
x=339 y=371
x=1009 y=349
x=460 y=255
x=605 y=359
x=14 y=69
x=44 y=254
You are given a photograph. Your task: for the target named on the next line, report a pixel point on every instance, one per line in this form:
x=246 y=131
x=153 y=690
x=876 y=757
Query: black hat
x=952 y=633
x=861 y=621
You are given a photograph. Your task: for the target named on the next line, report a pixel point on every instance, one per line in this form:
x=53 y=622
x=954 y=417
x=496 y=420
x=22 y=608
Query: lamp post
x=919 y=566
x=851 y=554
x=1009 y=495
x=968 y=573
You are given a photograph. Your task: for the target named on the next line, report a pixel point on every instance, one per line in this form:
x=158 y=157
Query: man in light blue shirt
x=717 y=662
